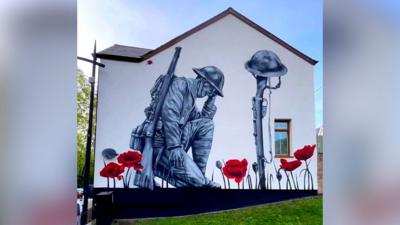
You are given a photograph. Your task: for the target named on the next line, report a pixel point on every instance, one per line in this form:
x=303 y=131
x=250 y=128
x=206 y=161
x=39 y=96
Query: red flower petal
x=290 y=166
x=305 y=153
x=138 y=167
x=244 y=162
x=129 y=158
x=235 y=169
x=112 y=170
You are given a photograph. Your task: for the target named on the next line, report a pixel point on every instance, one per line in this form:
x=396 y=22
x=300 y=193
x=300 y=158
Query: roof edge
x=229 y=11
x=272 y=36
x=119 y=58
x=187 y=33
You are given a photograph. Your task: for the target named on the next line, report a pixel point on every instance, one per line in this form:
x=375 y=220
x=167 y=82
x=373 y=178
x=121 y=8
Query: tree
x=83 y=98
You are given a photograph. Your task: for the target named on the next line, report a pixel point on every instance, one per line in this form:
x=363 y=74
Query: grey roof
x=123 y=51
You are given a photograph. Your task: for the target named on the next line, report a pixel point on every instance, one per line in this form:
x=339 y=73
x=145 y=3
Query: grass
x=306 y=211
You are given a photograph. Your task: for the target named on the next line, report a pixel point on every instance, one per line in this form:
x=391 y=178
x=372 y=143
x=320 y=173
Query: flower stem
x=128 y=180
x=309 y=177
x=108 y=179
x=270 y=181
x=249 y=181
x=312 y=182
x=294 y=182
x=288 y=181
x=278 y=176
x=114 y=182
x=223 y=177
x=124 y=181
x=256 y=183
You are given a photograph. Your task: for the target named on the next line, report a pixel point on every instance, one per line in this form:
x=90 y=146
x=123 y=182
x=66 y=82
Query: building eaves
x=134 y=54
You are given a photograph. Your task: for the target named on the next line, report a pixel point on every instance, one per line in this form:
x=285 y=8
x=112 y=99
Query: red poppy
x=290 y=166
x=131 y=159
x=235 y=169
x=305 y=153
x=112 y=170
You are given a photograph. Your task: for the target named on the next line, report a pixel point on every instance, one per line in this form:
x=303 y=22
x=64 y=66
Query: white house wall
x=227 y=44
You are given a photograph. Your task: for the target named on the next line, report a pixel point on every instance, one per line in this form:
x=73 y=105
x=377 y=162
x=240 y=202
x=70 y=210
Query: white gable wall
x=228 y=44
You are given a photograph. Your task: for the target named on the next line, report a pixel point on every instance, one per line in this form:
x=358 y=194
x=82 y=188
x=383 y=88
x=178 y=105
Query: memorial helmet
x=214 y=76
x=265 y=63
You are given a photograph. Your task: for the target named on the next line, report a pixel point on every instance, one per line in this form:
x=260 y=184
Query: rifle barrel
x=172 y=66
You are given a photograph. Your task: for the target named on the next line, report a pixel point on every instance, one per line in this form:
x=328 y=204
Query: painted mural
x=173 y=125
x=244 y=175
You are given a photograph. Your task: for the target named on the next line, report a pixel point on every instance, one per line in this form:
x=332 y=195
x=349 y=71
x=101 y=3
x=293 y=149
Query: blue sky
x=149 y=24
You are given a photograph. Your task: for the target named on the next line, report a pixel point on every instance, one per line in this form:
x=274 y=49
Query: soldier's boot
x=211 y=184
x=156 y=184
x=187 y=176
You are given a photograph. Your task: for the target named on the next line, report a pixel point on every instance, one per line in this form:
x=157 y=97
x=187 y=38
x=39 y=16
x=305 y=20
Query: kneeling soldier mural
x=179 y=126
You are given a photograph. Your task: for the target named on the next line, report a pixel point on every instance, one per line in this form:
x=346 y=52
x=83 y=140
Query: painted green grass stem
x=307 y=211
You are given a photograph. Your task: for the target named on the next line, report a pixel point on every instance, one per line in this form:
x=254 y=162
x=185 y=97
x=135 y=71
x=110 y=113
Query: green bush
x=83 y=96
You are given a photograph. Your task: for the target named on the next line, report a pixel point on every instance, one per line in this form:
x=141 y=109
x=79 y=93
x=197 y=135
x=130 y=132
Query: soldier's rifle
x=145 y=178
x=259 y=112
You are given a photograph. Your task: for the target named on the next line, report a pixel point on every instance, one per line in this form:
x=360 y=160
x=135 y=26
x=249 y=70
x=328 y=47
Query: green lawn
x=306 y=211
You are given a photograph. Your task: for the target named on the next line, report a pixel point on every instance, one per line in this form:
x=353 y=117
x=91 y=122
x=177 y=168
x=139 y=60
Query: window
x=282 y=137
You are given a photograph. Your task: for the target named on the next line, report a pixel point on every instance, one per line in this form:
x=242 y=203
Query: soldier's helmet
x=214 y=76
x=265 y=63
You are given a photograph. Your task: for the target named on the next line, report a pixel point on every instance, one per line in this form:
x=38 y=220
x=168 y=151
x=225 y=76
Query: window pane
x=281 y=143
x=281 y=125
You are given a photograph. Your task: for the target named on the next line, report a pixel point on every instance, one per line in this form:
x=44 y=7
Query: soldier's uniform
x=183 y=125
